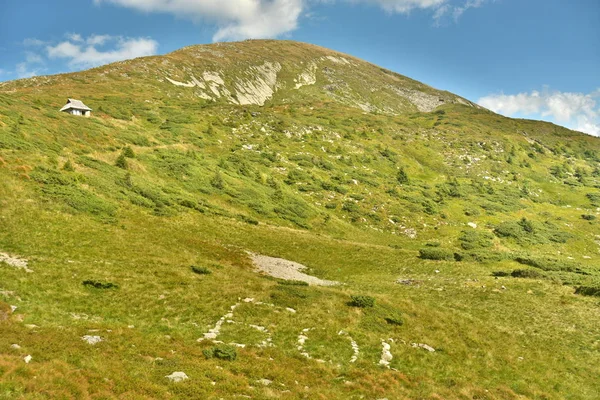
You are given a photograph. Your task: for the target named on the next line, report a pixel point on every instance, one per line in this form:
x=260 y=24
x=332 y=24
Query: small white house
x=76 y=107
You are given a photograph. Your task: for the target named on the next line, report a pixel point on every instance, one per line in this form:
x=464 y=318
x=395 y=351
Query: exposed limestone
x=337 y=60
x=307 y=77
x=213 y=77
x=261 y=87
x=183 y=84
x=423 y=101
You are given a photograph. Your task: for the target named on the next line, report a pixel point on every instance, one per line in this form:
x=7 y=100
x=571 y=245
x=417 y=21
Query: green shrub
x=500 y=273
x=362 y=301
x=292 y=282
x=128 y=152
x=222 y=352
x=550 y=264
x=526 y=273
x=200 y=270
x=217 y=181
x=436 y=253
x=394 y=320
x=588 y=291
x=99 y=285
x=472 y=239
x=121 y=162
x=402 y=176
x=588 y=217
x=69 y=166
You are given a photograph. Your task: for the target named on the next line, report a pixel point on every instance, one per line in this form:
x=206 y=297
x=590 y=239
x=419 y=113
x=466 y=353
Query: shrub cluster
x=526 y=273
x=436 y=253
x=222 y=352
x=200 y=270
x=588 y=291
x=362 y=301
x=99 y=285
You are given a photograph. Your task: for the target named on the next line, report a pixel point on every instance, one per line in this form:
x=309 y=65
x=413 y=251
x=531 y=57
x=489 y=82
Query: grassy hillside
x=475 y=234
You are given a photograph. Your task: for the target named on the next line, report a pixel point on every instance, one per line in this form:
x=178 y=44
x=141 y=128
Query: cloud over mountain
x=578 y=111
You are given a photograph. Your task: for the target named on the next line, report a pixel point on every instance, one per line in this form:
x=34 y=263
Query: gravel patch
x=288 y=270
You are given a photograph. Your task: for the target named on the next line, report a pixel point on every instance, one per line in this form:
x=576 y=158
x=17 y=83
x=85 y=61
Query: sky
x=537 y=59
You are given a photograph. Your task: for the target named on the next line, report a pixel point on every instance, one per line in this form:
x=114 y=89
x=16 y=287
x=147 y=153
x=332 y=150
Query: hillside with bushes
x=466 y=245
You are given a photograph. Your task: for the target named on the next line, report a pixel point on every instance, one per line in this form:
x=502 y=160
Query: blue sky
x=525 y=58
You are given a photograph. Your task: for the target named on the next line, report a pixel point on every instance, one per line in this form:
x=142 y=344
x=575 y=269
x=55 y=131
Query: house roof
x=76 y=104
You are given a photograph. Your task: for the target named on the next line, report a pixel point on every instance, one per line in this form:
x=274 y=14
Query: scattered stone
x=407 y=282
x=264 y=381
x=423 y=346
x=16 y=262
x=27 y=359
x=472 y=225
x=91 y=339
x=177 y=377
x=291 y=310
x=13 y=308
x=386 y=354
x=15 y=346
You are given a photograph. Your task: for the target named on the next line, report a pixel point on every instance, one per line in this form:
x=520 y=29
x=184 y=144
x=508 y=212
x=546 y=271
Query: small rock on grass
x=177 y=376
x=91 y=339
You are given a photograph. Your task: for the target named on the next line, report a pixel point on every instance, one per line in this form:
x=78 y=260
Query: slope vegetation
x=466 y=244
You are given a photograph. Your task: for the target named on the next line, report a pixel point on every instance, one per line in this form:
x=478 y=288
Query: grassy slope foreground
x=476 y=235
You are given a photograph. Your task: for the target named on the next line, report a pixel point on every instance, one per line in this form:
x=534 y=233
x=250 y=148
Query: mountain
x=458 y=251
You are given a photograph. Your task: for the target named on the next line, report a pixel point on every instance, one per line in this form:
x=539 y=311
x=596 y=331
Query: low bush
x=436 y=253
x=526 y=273
x=472 y=239
x=292 y=282
x=200 y=270
x=500 y=273
x=362 y=301
x=394 y=320
x=588 y=217
x=99 y=285
x=222 y=352
x=588 y=291
x=550 y=264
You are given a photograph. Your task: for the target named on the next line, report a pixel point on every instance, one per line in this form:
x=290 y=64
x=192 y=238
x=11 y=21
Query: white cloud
x=74 y=37
x=23 y=71
x=404 y=6
x=243 y=19
x=33 y=42
x=577 y=111
x=98 y=40
x=236 y=19
x=33 y=58
x=83 y=52
x=443 y=12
